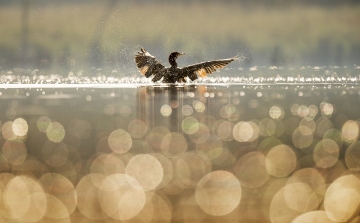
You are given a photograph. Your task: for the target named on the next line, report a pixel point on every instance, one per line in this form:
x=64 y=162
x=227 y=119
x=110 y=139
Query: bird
x=149 y=66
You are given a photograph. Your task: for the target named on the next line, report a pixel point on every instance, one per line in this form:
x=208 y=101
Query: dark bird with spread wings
x=150 y=66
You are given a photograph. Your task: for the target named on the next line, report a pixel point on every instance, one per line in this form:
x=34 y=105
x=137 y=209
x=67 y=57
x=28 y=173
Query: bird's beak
x=182 y=53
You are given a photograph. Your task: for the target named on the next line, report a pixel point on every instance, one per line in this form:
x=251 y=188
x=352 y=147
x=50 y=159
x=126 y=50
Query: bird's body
x=150 y=66
x=171 y=75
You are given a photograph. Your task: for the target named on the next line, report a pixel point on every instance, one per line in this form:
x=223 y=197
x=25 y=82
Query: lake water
x=263 y=149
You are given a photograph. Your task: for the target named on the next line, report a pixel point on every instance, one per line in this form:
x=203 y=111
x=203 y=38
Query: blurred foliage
x=67 y=34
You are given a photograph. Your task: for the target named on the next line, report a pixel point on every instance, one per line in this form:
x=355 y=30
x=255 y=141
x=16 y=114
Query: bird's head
x=176 y=54
x=172 y=58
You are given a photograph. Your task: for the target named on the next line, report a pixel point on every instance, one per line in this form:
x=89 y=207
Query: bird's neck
x=172 y=61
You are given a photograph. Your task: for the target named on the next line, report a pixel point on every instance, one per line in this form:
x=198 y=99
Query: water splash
x=256 y=75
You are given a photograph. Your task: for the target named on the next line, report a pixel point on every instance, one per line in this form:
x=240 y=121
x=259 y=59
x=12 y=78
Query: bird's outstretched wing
x=203 y=69
x=149 y=65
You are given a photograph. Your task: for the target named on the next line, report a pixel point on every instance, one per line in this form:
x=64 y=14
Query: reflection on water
x=237 y=153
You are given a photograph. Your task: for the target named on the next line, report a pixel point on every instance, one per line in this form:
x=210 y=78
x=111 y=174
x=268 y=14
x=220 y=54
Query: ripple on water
x=204 y=152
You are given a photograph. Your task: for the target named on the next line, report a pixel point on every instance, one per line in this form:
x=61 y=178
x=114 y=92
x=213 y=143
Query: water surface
x=259 y=151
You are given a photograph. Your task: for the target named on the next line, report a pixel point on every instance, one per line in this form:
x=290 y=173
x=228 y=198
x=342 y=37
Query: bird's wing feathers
x=149 y=65
x=203 y=69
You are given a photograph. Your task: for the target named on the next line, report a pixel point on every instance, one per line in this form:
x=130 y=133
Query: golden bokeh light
x=294 y=109
x=279 y=210
x=300 y=197
x=156 y=136
x=61 y=195
x=267 y=127
x=208 y=120
x=211 y=148
x=102 y=144
x=326 y=153
x=218 y=193
x=190 y=125
x=234 y=116
x=199 y=106
x=14 y=152
x=245 y=131
x=120 y=141
x=313 y=111
x=55 y=154
x=4 y=180
x=203 y=153
x=30 y=167
x=167 y=167
x=225 y=130
x=309 y=123
x=125 y=111
x=146 y=170
x=334 y=135
x=302 y=137
x=352 y=156
x=227 y=110
x=201 y=135
x=268 y=143
x=175 y=185
x=350 y=131
x=224 y=157
x=251 y=170
x=173 y=144
x=326 y=109
x=304 y=190
x=313 y=217
x=25 y=199
x=280 y=161
x=190 y=168
x=323 y=125
x=122 y=197
x=144 y=216
x=166 y=110
x=55 y=132
x=189 y=210
x=187 y=110
x=137 y=128
x=107 y=164
x=280 y=128
x=303 y=111
x=174 y=104
x=20 y=127
x=342 y=199
x=87 y=191
x=310 y=177
x=162 y=209
x=7 y=131
x=342 y=205
x=276 y=112
x=55 y=208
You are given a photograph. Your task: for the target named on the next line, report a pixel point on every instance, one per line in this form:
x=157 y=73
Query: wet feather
x=150 y=66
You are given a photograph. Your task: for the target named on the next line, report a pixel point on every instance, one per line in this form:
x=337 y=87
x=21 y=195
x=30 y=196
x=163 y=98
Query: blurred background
x=276 y=141
x=66 y=35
